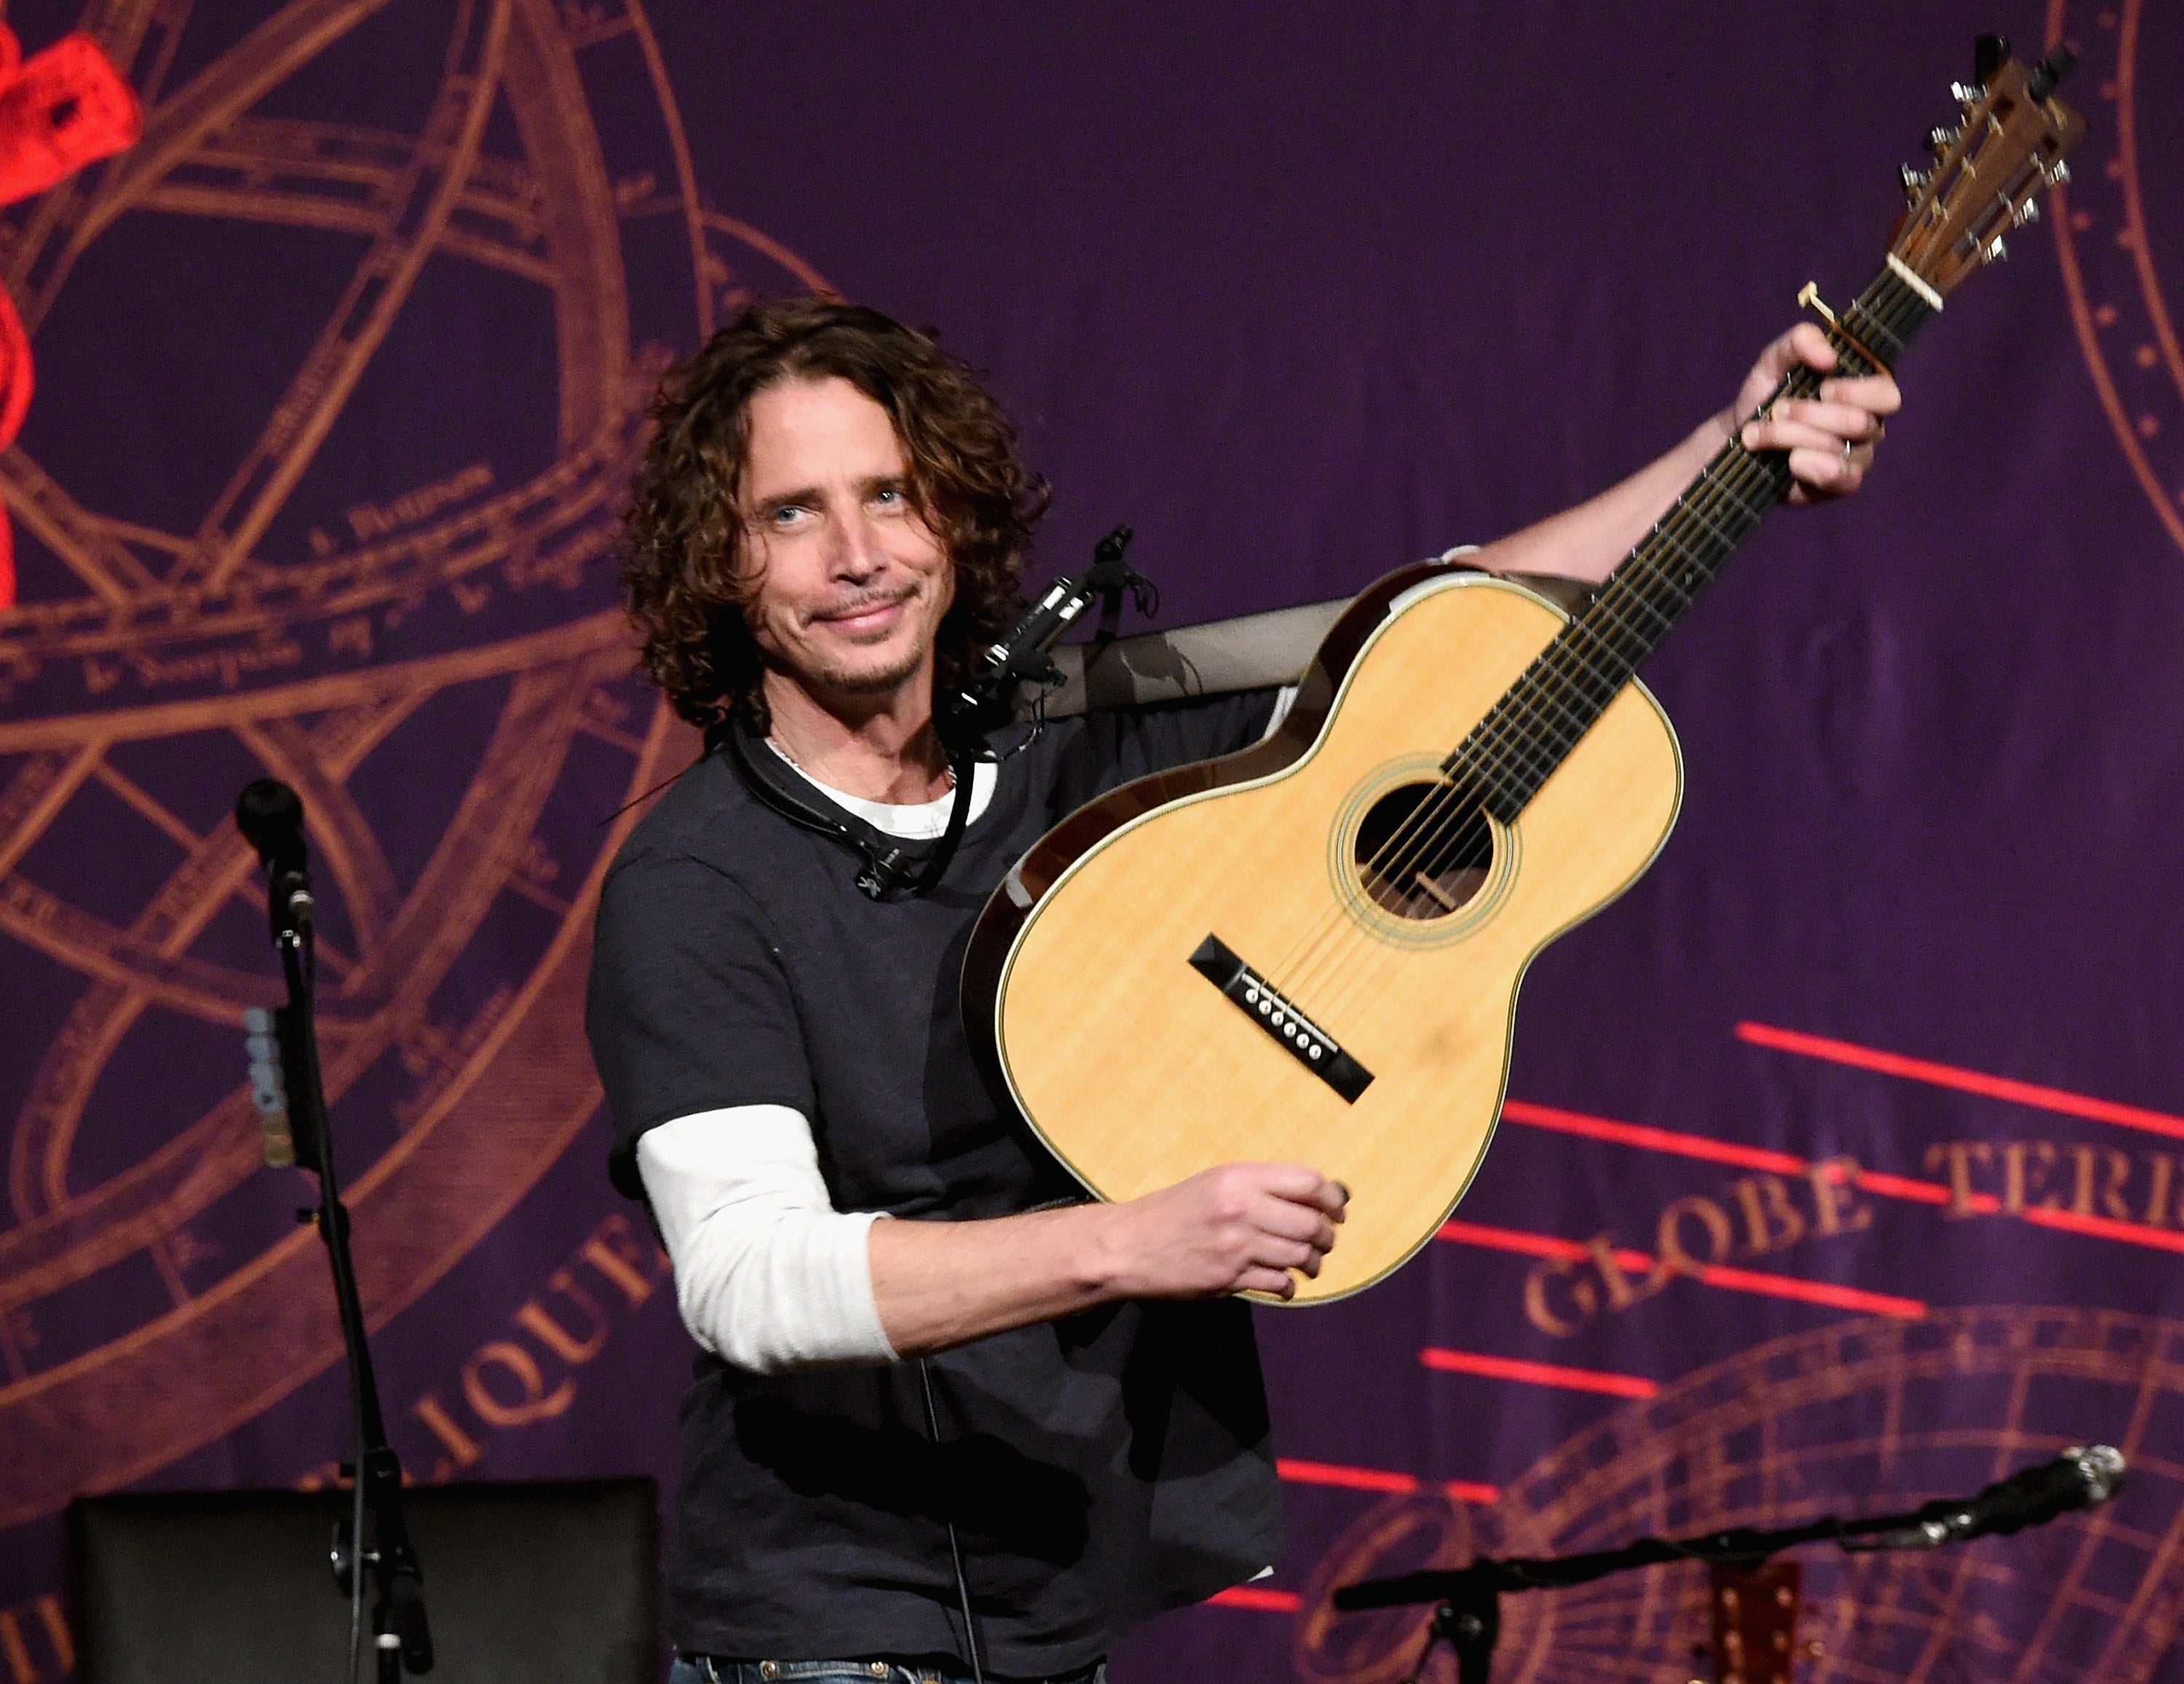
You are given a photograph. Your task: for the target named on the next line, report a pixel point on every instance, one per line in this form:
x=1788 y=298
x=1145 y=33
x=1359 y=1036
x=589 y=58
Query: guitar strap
x=1252 y=652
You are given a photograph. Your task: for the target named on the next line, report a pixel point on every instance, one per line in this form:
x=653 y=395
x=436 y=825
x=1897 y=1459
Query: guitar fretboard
x=1516 y=748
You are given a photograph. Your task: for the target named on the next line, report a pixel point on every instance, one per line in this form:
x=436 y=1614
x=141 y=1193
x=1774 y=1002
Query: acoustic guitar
x=1310 y=951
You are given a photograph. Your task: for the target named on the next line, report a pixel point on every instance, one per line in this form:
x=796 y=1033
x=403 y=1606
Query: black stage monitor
x=548 y=1580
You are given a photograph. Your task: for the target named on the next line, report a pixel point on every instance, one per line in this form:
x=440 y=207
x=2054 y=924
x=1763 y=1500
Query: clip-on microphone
x=1021 y=656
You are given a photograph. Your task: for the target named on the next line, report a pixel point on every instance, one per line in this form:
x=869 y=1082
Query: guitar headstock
x=1988 y=170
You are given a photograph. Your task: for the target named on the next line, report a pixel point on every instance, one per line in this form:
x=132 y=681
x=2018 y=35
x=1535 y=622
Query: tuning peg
x=2027 y=212
x=2049 y=71
x=1942 y=139
x=1967 y=98
x=1914 y=183
x=2058 y=174
x=1996 y=253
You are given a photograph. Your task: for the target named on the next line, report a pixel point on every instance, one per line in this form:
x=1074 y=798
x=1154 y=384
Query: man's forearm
x=938 y=1284
x=1237 y=1227
x=1587 y=542
x=1827 y=441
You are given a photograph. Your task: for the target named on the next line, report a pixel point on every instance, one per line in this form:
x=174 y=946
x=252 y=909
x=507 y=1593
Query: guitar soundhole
x=1423 y=849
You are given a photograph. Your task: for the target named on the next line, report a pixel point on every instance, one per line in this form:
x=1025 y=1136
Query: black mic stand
x=401 y=1634
x=1469 y=1616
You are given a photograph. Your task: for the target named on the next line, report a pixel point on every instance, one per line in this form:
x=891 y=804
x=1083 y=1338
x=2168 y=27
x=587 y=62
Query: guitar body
x=1139 y=1067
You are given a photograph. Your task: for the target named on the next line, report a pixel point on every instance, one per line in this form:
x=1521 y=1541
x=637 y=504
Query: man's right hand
x=1239 y=1228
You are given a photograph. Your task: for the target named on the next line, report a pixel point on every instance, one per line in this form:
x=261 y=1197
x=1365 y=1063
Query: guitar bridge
x=1311 y=1046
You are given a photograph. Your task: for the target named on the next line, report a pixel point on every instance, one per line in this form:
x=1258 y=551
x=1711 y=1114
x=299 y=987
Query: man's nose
x=855 y=552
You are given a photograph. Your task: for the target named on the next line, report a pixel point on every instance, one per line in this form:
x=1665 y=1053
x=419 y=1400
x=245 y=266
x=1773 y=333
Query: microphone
x=2084 y=1476
x=1022 y=655
x=271 y=817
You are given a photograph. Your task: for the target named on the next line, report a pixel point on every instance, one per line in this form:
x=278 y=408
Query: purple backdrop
x=338 y=373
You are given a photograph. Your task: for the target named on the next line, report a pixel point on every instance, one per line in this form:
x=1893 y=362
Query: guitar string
x=1571 y=667
x=1459 y=830
x=1521 y=707
x=1606 y=632
x=1505 y=760
x=1522 y=710
x=1729 y=477
x=1454 y=796
x=1886 y=311
x=1602 y=641
x=1884 y=305
x=1734 y=480
x=1405 y=839
x=1777 y=488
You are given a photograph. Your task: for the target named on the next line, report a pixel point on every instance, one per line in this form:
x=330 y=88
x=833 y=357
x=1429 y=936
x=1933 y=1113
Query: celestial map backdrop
x=1841 y=1164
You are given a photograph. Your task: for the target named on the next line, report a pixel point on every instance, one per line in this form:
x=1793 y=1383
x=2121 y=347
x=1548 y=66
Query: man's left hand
x=1831 y=438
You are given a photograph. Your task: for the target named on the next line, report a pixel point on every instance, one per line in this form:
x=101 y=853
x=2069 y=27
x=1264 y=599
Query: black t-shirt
x=1098 y=1468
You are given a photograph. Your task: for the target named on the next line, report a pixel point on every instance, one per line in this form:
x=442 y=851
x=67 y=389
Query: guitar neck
x=1516 y=748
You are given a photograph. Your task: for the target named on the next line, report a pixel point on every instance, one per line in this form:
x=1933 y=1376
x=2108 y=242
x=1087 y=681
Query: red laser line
x=1668 y=1140
x=1903 y=1187
x=1872 y=1181
x=1266 y=1601
x=1757 y=1281
x=1352 y=1479
x=1303 y=1473
x=1651 y=1140
x=2104 y=1228
x=1811 y=1292
x=1538 y=1374
x=1510 y=1239
x=1964 y=1081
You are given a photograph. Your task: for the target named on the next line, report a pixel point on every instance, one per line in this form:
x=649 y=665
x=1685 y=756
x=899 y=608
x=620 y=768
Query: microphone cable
x=955 y=1544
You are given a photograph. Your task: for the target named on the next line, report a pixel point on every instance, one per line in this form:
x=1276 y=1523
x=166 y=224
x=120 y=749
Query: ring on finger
x=1846 y=444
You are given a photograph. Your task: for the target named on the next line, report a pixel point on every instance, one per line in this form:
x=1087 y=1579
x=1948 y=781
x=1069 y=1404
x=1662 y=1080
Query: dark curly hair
x=683 y=547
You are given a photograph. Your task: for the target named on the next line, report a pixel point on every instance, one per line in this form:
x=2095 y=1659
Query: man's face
x=852 y=582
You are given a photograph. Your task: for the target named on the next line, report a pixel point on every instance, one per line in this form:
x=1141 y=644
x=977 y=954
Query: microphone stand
x=1469 y=1616
x=401 y=1635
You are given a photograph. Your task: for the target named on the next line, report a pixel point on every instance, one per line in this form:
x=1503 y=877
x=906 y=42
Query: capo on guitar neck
x=1809 y=296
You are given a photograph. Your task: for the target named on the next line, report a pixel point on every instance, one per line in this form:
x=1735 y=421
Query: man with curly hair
x=933 y=1376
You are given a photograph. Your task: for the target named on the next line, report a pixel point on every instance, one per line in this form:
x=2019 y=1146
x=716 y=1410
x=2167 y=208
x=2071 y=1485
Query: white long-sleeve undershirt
x=769 y=1275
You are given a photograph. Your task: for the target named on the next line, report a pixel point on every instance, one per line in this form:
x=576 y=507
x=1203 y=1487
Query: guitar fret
x=1726 y=540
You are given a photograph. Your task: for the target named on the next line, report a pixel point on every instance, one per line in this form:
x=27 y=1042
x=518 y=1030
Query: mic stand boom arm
x=1469 y=1618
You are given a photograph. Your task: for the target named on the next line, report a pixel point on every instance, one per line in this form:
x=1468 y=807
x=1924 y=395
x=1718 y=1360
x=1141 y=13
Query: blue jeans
x=705 y=1670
